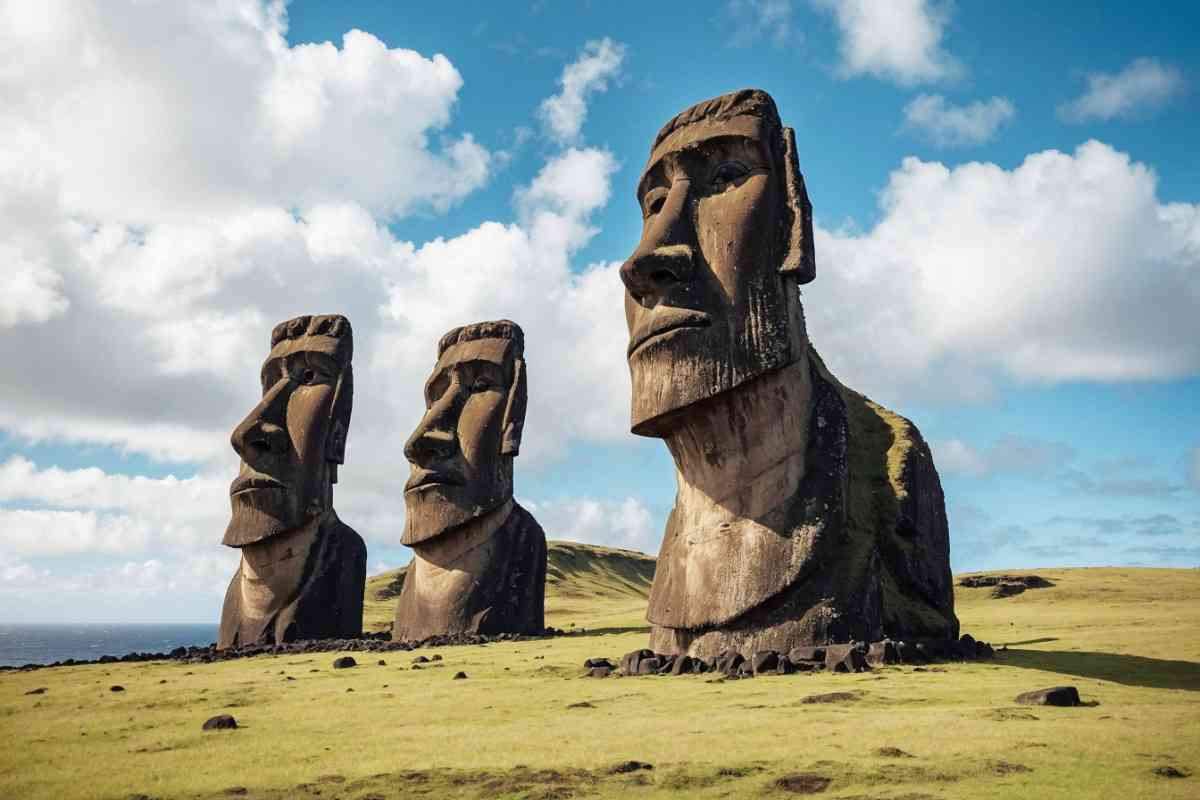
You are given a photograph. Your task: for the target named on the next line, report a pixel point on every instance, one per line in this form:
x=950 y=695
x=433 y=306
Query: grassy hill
x=586 y=585
x=524 y=724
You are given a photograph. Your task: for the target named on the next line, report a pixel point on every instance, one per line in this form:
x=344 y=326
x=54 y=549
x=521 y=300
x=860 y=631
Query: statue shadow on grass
x=1152 y=673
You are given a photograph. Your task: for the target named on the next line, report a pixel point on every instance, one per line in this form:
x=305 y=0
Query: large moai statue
x=479 y=564
x=805 y=513
x=303 y=571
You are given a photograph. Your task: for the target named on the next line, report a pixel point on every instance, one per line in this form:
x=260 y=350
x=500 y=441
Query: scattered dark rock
x=221 y=722
x=629 y=766
x=1054 y=696
x=729 y=663
x=893 y=752
x=581 y=704
x=381 y=663
x=884 y=652
x=236 y=791
x=1007 y=768
x=116 y=688
x=417 y=666
x=806 y=654
x=830 y=697
x=421 y=660
x=632 y=660
x=39 y=690
x=846 y=658
x=599 y=672
x=460 y=676
x=649 y=666
x=435 y=657
x=349 y=689
x=764 y=661
x=1168 y=771
x=345 y=662
x=592 y=663
x=803 y=783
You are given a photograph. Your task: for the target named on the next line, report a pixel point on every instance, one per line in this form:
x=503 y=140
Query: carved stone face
x=460 y=457
x=288 y=443
x=706 y=304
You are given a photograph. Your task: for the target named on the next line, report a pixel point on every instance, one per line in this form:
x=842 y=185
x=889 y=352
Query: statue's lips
x=664 y=319
x=245 y=483
x=425 y=478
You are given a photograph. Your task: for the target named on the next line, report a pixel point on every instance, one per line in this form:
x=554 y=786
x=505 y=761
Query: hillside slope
x=586 y=586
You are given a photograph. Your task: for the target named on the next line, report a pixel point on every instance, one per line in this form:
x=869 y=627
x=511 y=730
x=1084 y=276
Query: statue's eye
x=308 y=376
x=729 y=172
x=482 y=384
x=654 y=200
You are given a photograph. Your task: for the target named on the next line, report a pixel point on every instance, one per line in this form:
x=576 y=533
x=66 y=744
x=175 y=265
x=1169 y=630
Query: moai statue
x=479 y=564
x=805 y=513
x=303 y=571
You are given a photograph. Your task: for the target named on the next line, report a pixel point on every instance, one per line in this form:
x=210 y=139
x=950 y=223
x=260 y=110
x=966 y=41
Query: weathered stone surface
x=884 y=652
x=805 y=513
x=303 y=571
x=806 y=653
x=649 y=666
x=630 y=661
x=599 y=672
x=221 y=722
x=345 y=662
x=1054 y=696
x=729 y=662
x=598 y=662
x=764 y=661
x=846 y=658
x=479 y=563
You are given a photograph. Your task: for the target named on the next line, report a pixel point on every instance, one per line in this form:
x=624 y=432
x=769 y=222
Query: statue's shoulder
x=521 y=519
x=883 y=445
x=347 y=537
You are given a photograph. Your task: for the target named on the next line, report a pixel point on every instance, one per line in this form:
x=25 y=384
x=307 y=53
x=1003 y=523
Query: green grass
x=526 y=725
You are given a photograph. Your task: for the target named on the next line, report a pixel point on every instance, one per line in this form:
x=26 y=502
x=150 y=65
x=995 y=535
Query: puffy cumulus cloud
x=948 y=125
x=89 y=510
x=138 y=127
x=1144 y=85
x=623 y=523
x=753 y=20
x=1064 y=268
x=563 y=114
x=900 y=40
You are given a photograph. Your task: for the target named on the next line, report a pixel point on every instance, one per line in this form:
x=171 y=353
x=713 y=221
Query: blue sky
x=1008 y=253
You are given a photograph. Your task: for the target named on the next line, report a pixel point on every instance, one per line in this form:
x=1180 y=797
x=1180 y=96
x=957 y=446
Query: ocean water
x=45 y=644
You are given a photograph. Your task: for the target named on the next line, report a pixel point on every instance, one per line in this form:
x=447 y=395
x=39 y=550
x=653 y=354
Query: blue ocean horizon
x=23 y=643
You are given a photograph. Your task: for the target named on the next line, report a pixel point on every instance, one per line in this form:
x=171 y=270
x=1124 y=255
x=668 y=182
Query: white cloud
x=948 y=125
x=760 y=19
x=138 y=127
x=623 y=523
x=563 y=114
x=1010 y=454
x=898 y=40
x=1064 y=268
x=1142 y=86
x=1194 y=472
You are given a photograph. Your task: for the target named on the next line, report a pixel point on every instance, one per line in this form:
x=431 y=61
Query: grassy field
x=524 y=724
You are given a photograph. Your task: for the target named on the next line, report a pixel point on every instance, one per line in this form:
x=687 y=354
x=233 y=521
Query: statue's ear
x=339 y=417
x=799 y=258
x=514 y=411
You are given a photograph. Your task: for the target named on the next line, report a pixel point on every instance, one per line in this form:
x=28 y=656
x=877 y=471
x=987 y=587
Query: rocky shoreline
x=368 y=643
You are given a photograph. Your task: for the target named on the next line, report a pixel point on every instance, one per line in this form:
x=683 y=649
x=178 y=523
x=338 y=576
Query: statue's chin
x=430 y=518
x=254 y=522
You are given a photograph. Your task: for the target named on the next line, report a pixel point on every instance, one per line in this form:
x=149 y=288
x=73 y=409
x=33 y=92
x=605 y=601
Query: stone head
x=292 y=442
x=711 y=292
x=462 y=451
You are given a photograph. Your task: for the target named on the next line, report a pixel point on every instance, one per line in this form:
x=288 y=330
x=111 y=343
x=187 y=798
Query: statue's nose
x=260 y=434
x=436 y=437
x=665 y=256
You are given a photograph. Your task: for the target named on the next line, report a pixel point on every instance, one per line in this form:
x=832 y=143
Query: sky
x=1007 y=211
